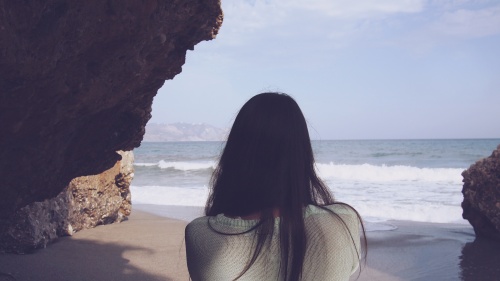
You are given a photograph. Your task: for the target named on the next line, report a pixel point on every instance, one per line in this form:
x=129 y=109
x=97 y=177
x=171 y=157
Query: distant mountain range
x=183 y=132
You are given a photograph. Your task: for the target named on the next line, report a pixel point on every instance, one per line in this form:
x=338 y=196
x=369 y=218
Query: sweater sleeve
x=214 y=256
x=333 y=244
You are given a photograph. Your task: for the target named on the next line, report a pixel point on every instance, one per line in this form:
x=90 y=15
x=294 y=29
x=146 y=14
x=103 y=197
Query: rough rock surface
x=481 y=190
x=86 y=202
x=77 y=80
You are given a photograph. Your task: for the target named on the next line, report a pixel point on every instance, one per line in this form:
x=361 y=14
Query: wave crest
x=383 y=173
x=181 y=166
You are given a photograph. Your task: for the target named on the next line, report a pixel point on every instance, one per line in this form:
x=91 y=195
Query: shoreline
x=150 y=246
x=405 y=250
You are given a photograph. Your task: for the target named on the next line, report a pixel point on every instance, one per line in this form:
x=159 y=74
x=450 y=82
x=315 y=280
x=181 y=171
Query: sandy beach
x=430 y=251
x=145 y=247
x=150 y=246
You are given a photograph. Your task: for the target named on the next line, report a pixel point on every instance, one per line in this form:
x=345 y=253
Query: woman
x=268 y=215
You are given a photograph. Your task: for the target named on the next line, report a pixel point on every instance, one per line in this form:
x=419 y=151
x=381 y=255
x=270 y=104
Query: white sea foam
x=385 y=204
x=379 y=193
x=383 y=173
x=424 y=212
x=182 y=166
x=420 y=181
x=398 y=192
x=145 y=164
x=363 y=172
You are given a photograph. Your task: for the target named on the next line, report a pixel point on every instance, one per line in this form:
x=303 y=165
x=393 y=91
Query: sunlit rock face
x=481 y=190
x=77 y=79
x=86 y=202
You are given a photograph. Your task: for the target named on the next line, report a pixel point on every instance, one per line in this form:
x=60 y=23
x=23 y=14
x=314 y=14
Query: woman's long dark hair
x=268 y=164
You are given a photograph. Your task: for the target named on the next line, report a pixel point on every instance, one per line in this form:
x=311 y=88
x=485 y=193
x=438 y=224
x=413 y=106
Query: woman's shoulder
x=334 y=215
x=220 y=223
x=197 y=224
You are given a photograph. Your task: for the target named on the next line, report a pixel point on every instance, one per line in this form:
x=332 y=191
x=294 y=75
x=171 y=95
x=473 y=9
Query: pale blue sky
x=364 y=69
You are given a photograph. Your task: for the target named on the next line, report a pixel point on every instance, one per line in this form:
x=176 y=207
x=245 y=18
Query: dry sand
x=151 y=247
x=145 y=247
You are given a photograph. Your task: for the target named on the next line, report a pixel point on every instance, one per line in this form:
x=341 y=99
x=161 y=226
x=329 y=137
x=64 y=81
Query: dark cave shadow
x=75 y=260
x=480 y=260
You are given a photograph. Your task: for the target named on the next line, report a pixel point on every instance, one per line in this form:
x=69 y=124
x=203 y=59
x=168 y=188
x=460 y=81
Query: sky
x=364 y=69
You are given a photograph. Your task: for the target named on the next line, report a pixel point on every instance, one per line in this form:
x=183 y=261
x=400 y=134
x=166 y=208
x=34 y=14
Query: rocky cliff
x=86 y=202
x=77 y=79
x=481 y=190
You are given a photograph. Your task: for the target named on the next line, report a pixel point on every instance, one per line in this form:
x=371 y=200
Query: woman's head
x=267 y=162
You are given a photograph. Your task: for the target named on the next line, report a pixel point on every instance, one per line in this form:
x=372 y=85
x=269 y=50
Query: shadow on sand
x=73 y=259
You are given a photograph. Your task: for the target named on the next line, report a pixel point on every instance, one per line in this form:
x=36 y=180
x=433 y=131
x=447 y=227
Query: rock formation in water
x=77 y=79
x=86 y=202
x=481 y=190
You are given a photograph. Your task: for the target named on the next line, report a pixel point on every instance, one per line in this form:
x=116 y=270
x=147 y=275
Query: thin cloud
x=333 y=24
x=248 y=16
x=466 y=24
x=361 y=9
x=450 y=27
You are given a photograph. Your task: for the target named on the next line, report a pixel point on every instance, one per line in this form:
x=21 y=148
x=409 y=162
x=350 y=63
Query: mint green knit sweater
x=330 y=255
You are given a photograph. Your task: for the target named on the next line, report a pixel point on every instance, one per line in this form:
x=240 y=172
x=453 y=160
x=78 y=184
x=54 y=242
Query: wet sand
x=150 y=246
x=430 y=251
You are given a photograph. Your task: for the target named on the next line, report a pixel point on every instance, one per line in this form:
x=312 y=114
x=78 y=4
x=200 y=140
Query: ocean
x=415 y=180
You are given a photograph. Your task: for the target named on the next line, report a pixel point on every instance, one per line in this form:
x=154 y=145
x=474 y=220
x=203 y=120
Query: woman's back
x=267 y=168
x=332 y=247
